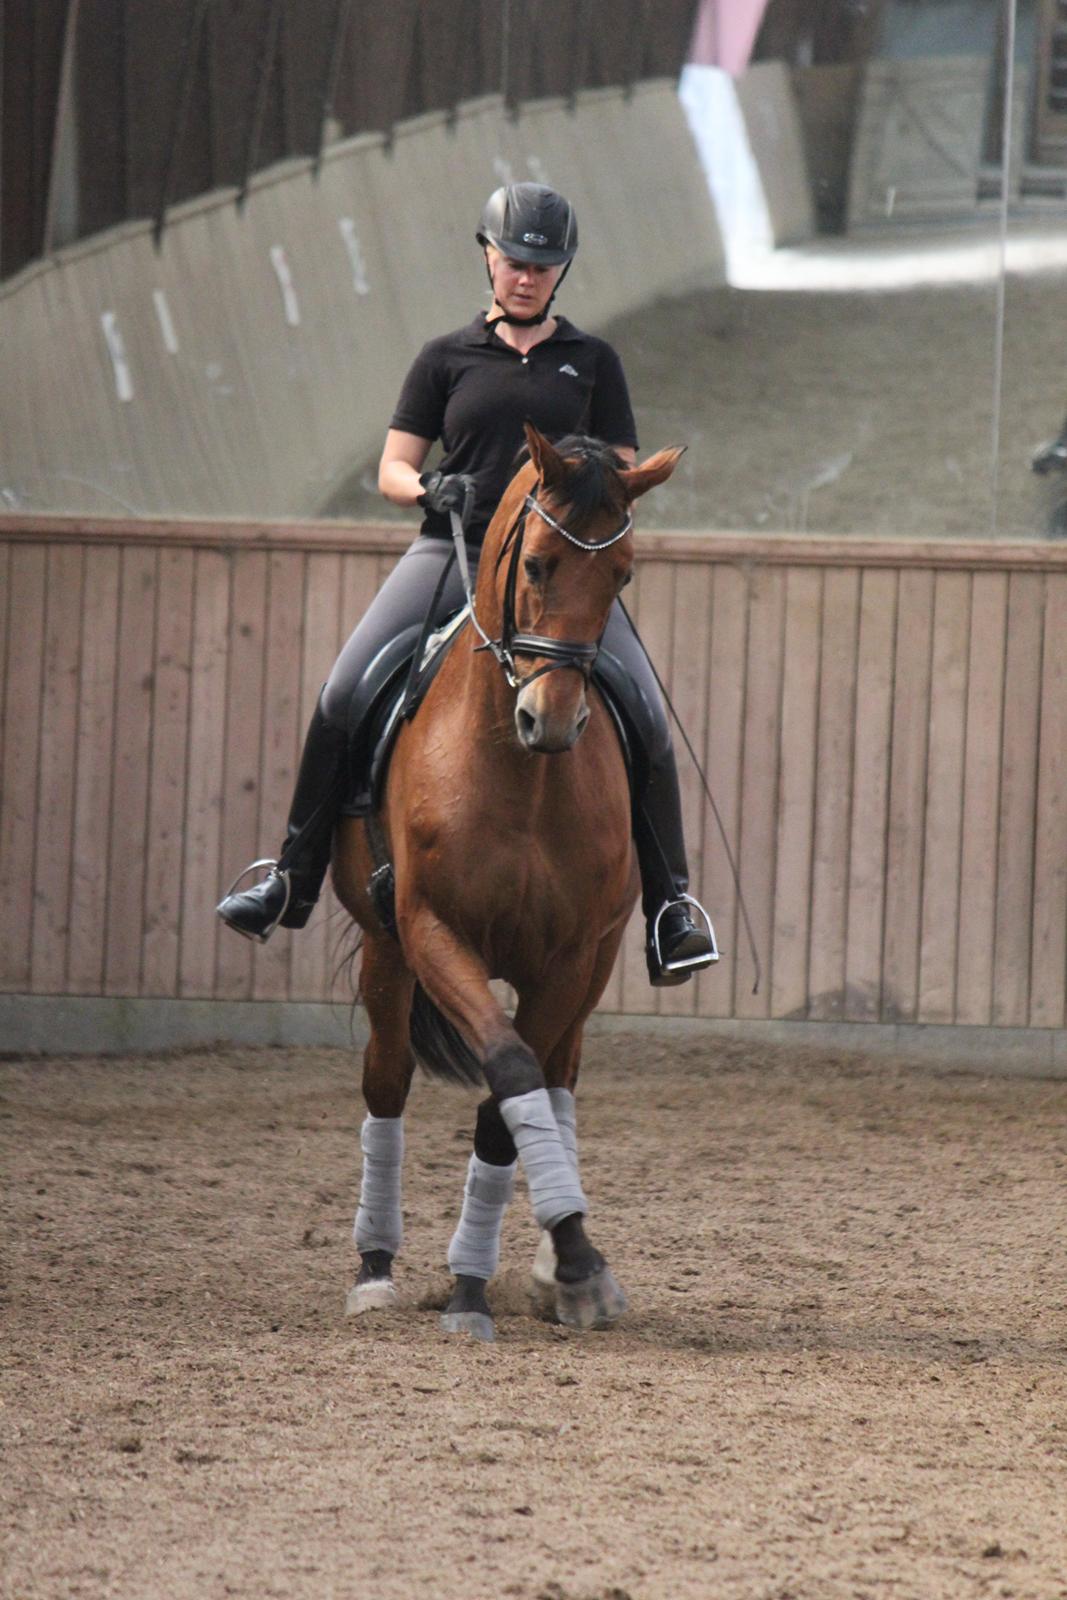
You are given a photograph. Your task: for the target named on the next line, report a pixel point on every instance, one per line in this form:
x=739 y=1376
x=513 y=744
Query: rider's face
x=520 y=288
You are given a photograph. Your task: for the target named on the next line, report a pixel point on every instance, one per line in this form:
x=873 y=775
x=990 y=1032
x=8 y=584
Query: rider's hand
x=447 y=491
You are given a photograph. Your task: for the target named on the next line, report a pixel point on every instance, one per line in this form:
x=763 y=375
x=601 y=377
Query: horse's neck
x=487 y=603
x=488 y=697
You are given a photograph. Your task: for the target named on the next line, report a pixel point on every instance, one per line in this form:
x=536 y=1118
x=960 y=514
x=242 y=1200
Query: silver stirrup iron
x=275 y=872
x=688 y=961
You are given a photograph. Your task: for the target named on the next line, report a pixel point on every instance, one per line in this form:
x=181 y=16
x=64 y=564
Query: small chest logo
x=569 y=370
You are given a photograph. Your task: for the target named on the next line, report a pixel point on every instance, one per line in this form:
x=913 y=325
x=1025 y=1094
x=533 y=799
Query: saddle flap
x=385 y=697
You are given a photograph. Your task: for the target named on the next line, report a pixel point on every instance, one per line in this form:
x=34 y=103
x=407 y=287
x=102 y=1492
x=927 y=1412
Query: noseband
x=577 y=655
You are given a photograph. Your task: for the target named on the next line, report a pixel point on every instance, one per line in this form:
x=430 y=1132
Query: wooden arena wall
x=884 y=725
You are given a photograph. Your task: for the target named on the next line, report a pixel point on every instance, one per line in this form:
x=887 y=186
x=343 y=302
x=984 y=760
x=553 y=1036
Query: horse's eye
x=629 y=578
x=534 y=569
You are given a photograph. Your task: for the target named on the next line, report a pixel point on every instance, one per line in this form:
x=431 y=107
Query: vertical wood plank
x=5 y=668
x=875 y=660
x=93 y=772
x=907 y=793
x=129 y=790
x=833 y=793
x=282 y=735
x=202 y=882
x=944 y=798
x=164 y=851
x=1049 y=962
x=760 y=765
x=981 y=798
x=242 y=755
x=689 y=630
x=309 y=976
x=22 y=724
x=59 y=720
x=727 y=656
x=796 y=794
x=1018 y=794
x=656 y=627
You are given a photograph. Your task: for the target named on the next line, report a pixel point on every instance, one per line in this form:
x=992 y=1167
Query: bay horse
x=506 y=814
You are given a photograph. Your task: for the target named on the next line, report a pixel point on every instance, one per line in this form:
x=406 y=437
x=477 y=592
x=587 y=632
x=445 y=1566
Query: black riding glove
x=448 y=491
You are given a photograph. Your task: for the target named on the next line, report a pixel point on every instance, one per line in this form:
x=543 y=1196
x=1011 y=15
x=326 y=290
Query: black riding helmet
x=530 y=222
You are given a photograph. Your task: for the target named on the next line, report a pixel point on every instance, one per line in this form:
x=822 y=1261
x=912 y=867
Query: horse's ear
x=656 y=469
x=547 y=460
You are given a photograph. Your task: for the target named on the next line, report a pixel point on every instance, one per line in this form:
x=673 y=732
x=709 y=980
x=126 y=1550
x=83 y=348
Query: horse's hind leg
x=474 y=1253
x=386 y=986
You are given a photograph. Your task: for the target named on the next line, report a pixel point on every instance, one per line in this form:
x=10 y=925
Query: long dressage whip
x=708 y=796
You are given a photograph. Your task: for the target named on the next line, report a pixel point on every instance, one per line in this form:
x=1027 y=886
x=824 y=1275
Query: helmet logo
x=534 y=238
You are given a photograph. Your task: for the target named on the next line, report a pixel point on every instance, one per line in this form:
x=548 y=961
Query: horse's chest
x=508 y=851
x=540 y=868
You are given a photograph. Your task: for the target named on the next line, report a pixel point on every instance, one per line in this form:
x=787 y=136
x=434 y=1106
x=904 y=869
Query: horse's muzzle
x=545 y=728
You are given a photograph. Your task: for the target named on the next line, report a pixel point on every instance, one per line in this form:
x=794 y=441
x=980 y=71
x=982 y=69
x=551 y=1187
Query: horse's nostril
x=526 y=724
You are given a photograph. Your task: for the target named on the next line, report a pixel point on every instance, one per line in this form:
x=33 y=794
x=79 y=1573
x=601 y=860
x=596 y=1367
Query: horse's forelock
x=592 y=483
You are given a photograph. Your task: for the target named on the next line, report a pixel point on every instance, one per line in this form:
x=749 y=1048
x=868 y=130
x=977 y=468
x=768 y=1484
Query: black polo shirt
x=474 y=392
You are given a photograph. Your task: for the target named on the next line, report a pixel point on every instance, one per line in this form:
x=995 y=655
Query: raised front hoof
x=594 y=1302
x=376 y=1294
x=477 y=1324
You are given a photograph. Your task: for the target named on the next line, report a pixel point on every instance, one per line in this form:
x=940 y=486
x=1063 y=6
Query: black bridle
x=577 y=655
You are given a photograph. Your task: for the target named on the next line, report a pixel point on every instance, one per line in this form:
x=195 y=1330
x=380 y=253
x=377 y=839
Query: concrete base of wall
x=46 y=1025
x=52 y=1025
x=1003 y=1052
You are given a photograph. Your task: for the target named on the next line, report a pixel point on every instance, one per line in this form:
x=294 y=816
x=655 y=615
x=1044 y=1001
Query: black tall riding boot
x=287 y=895
x=676 y=945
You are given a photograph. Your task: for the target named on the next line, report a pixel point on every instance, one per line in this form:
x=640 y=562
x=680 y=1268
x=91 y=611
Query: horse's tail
x=439 y=1047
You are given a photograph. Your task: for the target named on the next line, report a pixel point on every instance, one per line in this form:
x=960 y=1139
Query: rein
x=577 y=655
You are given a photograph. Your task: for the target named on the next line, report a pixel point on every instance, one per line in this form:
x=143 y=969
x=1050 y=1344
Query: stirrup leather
x=686 y=962
x=275 y=872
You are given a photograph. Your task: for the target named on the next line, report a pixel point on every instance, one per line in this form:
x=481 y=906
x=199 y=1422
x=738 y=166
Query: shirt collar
x=477 y=332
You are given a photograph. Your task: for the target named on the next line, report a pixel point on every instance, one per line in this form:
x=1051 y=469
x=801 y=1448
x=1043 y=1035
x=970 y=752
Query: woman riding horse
x=474 y=389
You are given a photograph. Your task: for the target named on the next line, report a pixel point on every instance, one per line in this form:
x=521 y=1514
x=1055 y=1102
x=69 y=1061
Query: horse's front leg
x=595 y=1301
x=386 y=986
x=458 y=983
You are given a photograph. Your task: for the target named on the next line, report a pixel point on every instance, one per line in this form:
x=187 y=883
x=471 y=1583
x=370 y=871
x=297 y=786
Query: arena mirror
x=891 y=203
x=868 y=354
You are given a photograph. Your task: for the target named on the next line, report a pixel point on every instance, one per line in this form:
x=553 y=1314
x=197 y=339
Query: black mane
x=593 y=483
